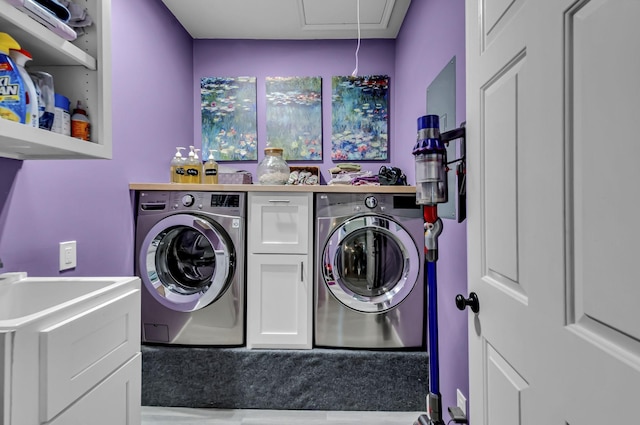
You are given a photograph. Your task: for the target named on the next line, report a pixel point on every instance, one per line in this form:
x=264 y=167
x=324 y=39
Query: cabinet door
x=116 y=400
x=279 y=223
x=279 y=301
x=80 y=351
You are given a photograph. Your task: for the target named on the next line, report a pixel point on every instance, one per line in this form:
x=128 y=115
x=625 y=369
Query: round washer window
x=370 y=261
x=186 y=262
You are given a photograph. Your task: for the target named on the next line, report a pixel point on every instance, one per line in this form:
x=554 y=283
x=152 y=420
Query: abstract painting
x=229 y=120
x=360 y=118
x=294 y=117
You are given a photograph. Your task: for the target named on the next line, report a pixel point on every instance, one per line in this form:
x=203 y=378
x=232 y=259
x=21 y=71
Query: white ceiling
x=289 y=19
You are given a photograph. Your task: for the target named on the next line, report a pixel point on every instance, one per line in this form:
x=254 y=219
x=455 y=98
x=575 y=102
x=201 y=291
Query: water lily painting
x=294 y=117
x=229 y=120
x=360 y=118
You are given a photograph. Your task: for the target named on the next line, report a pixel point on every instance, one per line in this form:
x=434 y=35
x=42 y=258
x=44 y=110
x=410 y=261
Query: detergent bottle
x=210 y=170
x=21 y=57
x=13 y=94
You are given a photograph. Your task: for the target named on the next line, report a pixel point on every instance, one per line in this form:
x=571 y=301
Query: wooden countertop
x=267 y=188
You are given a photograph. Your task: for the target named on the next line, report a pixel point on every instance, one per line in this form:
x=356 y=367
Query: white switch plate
x=461 y=401
x=67 y=255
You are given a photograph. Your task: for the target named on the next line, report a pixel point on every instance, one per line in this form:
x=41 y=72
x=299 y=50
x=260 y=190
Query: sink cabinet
x=79 y=362
x=279 y=270
x=81 y=70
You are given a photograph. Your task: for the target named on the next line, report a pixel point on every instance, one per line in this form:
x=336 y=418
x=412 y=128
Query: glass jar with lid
x=273 y=169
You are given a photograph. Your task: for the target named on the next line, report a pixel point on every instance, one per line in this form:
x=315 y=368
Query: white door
x=553 y=96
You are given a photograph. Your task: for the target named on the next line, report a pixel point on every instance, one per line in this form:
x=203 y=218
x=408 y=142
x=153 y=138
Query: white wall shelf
x=81 y=70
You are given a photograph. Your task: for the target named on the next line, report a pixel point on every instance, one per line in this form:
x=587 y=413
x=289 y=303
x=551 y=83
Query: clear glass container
x=273 y=169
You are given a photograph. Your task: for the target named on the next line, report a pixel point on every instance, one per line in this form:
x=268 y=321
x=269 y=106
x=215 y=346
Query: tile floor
x=189 y=416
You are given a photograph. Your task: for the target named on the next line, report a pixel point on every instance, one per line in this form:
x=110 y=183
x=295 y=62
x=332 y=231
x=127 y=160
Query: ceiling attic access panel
x=289 y=19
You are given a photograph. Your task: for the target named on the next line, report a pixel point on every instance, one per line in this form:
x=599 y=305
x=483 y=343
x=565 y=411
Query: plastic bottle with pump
x=80 y=124
x=13 y=93
x=198 y=165
x=177 y=166
x=210 y=169
x=193 y=166
x=21 y=57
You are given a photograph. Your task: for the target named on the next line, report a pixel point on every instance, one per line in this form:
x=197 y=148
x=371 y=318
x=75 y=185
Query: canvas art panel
x=294 y=117
x=229 y=119
x=360 y=118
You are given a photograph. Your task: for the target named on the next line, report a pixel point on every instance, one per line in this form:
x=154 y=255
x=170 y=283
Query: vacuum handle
x=472 y=301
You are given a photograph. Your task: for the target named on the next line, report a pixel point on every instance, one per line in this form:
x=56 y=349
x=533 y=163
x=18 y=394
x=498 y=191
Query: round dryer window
x=371 y=263
x=186 y=262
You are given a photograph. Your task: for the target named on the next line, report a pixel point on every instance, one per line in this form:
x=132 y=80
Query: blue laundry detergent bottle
x=13 y=97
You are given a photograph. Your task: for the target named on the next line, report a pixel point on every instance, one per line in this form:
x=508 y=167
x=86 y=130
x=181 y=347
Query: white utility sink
x=67 y=346
x=24 y=299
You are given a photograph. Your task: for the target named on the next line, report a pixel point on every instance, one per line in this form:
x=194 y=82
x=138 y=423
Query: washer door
x=186 y=262
x=370 y=263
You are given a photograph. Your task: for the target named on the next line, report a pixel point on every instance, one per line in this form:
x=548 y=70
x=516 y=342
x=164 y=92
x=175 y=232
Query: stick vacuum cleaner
x=431 y=189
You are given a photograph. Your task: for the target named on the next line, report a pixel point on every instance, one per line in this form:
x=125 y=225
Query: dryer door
x=186 y=262
x=370 y=263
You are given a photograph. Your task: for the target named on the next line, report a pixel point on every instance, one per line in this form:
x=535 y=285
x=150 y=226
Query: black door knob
x=472 y=301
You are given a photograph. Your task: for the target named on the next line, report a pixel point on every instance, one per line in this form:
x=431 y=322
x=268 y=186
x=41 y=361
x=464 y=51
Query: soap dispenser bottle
x=210 y=170
x=177 y=166
x=192 y=175
x=198 y=165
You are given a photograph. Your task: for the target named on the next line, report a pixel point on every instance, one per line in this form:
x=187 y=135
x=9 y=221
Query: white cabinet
x=81 y=71
x=76 y=362
x=279 y=270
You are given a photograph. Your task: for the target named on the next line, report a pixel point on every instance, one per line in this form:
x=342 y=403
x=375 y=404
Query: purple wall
x=46 y=202
x=315 y=58
x=432 y=33
x=43 y=203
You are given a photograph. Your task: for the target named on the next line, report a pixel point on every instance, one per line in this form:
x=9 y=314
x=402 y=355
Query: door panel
x=602 y=176
x=505 y=389
x=552 y=101
x=602 y=184
x=496 y=15
x=500 y=139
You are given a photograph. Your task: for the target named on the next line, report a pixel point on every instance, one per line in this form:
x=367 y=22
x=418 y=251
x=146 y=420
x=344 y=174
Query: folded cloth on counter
x=351 y=177
x=340 y=179
x=366 y=181
x=349 y=166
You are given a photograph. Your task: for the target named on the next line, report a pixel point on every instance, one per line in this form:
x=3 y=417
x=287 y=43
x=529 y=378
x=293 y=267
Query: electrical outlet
x=67 y=255
x=462 y=401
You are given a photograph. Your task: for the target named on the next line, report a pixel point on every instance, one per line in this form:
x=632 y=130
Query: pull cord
x=355 y=71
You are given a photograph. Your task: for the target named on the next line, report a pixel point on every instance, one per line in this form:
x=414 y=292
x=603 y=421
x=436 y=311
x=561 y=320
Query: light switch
x=67 y=255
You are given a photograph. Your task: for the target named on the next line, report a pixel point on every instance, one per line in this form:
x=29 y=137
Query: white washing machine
x=190 y=256
x=369 y=288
